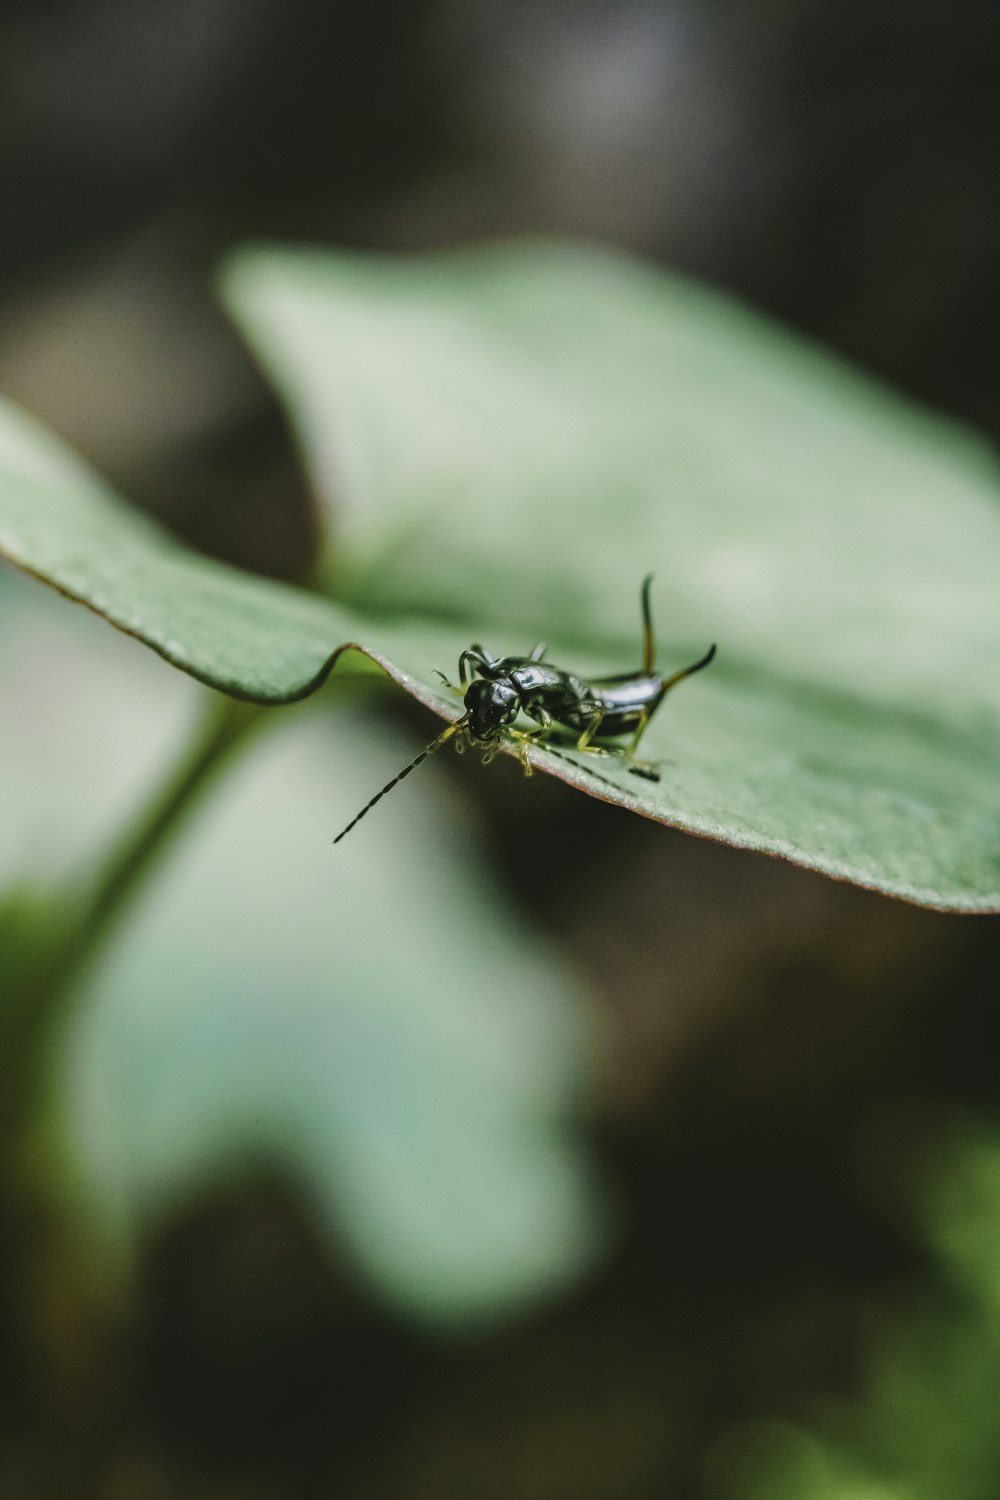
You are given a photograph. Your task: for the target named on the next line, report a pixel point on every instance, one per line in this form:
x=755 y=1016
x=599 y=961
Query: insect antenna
x=428 y=750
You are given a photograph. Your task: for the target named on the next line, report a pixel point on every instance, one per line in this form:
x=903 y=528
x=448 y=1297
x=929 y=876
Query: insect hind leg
x=645 y=768
x=480 y=662
x=593 y=727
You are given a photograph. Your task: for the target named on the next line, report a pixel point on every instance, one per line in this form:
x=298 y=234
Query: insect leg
x=536 y=710
x=477 y=656
x=538 y=651
x=526 y=737
x=524 y=741
x=648 y=768
x=593 y=726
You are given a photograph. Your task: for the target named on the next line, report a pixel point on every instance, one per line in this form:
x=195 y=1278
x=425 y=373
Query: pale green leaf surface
x=88 y=727
x=518 y=434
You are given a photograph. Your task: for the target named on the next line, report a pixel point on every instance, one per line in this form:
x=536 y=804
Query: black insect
x=497 y=690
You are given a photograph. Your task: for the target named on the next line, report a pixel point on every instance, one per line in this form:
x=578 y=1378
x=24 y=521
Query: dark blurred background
x=834 y=164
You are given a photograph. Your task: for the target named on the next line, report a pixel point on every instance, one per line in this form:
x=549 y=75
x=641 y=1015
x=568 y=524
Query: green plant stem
x=50 y=1268
x=224 y=727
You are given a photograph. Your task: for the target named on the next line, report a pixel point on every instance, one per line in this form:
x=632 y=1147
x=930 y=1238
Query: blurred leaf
x=922 y=1420
x=372 y=1024
x=513 y=438
x=89 y=726
x=775 y=1460
x=961 y=1208
x=383 y=1026
x=31 y=924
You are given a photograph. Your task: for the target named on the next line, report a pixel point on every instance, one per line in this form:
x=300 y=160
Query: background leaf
x=385 y=1031
x=267 y=1007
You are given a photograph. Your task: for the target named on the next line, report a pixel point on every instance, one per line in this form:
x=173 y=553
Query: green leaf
x=517 y=435
x=511 y=439
x=243 y=634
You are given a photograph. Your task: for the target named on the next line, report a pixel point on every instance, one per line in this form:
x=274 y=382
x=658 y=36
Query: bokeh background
x=774 y=1270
